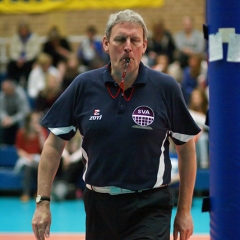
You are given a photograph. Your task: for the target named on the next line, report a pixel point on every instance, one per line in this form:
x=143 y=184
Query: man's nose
x=128 y=47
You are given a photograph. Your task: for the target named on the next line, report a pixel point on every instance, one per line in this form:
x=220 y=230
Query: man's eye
x=121 y=39
x=135 y=40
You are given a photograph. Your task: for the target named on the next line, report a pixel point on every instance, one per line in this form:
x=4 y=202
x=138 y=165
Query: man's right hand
x=42 y=220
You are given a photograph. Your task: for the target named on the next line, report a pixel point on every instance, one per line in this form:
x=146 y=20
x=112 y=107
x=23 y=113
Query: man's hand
x=183 y=225
x=7 y=122
x=42 y=220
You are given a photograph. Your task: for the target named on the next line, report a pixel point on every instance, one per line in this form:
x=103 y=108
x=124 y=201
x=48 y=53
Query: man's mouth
x=127 y=60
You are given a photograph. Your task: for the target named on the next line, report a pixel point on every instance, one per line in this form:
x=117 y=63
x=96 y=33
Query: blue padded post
x=224 y=87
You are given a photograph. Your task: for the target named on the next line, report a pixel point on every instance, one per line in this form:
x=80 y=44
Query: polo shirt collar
x=141 y=78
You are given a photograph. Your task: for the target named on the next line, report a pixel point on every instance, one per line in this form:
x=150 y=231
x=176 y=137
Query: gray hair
x=125 y=16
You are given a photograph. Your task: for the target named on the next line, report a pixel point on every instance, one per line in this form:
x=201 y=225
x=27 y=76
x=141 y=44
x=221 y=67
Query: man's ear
x=105 y=44
x=145 y=43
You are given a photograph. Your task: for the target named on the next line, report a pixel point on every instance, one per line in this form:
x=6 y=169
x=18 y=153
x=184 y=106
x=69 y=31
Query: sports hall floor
x=68 y=220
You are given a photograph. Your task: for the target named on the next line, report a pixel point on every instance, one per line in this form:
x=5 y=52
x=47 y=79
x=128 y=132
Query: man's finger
x=175 y=235
x=35 y=232
x=190 y=232
x=183 y=235
x=47 y=231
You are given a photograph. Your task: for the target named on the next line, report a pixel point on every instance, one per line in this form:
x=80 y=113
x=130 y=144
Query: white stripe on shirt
x=182 y=137
x=62 y=130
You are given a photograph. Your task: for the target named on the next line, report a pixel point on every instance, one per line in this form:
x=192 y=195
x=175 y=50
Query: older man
x=125 y=113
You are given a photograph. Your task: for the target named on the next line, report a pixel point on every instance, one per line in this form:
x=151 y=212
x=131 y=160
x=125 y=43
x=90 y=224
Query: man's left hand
x=183 y=225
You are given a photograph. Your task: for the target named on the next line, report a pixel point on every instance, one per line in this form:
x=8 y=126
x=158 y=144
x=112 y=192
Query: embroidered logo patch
x=96 y=115
x=96 y=112
x=143 y=116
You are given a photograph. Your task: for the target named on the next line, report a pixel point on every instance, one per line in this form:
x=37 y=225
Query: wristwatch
x=40 y=198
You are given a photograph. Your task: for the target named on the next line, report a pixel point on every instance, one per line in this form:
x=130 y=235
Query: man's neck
x=129 y=79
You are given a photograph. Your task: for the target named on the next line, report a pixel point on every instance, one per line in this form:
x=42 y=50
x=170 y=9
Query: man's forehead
x=127 y=28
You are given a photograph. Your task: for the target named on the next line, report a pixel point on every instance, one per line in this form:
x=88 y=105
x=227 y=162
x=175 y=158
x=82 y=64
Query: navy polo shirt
x=125 y=138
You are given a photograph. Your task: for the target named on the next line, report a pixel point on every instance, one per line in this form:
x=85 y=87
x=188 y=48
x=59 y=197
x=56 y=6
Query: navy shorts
x=133 y=216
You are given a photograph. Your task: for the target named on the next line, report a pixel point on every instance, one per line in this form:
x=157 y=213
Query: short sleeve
x=183 y=127
x=60 y=118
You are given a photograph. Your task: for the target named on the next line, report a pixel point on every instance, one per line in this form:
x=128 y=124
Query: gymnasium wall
x=75 y=22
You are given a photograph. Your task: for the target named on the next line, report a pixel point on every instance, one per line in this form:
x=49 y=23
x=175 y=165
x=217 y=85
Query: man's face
x=23 y=31
x=126 y=41
x=8 y=88
x=187 y=24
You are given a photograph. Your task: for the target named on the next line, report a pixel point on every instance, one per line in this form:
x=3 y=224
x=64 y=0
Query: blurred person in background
x=37 y=77
x=29 y=143
x=24 y=48
x=161 y=42
x=194 y=76
x=14 y=106
x=163 y=65
x=59 y=48
x=73 y=68
x=188 y=41
x=90 y=51
x=49 y=94
x=198 y=107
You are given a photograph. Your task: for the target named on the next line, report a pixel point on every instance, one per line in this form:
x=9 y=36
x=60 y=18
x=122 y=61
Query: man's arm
x=47 y=169
x=183 y=223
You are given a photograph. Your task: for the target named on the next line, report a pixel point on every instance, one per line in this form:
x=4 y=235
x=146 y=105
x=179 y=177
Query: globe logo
x=143 y=116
